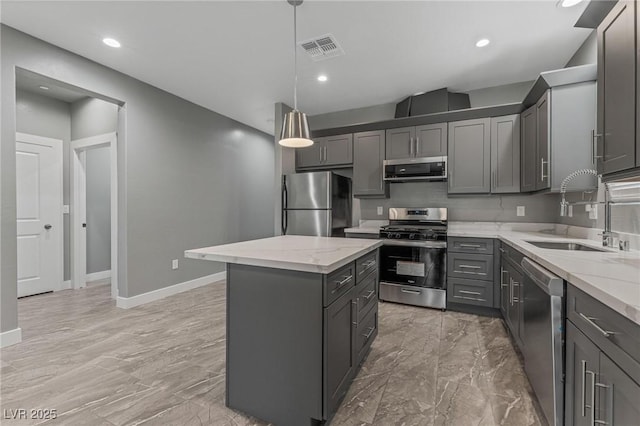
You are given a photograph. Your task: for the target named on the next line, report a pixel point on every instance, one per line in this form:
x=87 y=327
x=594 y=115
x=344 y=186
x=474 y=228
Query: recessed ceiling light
x=43 y=87
x=111 y=42
x=570 y=3
x=322 y=77
x=482 y=42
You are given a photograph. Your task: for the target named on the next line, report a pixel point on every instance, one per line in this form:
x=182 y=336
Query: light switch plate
x=520 y=211
x=380 y=211
x=593 y=214
x=174 y=264
x=65 y=209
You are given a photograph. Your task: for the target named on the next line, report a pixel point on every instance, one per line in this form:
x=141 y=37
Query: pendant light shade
x=295 y=128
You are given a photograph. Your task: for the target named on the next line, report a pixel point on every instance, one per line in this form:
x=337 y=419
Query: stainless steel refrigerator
x=316 y=203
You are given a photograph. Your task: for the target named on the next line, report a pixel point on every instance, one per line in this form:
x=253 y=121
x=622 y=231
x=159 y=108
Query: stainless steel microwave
x=414 y=169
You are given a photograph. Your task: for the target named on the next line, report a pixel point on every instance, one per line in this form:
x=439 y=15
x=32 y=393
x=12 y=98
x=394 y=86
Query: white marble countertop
x=292 y=252
x=612 y=277
x=367 y=227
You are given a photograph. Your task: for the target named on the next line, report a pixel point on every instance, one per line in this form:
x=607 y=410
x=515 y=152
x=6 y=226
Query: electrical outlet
x=65 y=209
x=520 y=211
x=174 y=264
x=593 y=214
x=380 y=211
x=587 y=207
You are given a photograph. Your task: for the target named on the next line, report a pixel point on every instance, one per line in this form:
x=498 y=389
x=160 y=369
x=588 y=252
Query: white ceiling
x=235 y=57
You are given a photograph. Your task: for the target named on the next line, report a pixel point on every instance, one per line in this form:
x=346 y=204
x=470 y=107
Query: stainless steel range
x=413 y=259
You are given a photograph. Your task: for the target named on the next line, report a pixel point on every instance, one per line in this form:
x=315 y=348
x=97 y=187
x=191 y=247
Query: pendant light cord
x=295 y=60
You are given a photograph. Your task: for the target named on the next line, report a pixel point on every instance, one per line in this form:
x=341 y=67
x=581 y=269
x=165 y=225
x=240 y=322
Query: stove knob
x=413 y=236
x=398 y=235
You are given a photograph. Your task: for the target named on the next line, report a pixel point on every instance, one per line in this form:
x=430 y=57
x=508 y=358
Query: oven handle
x=421 y=244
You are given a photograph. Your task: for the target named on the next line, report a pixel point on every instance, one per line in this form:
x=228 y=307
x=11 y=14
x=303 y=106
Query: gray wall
x=98 y=172
x=44 y=116
x=587 y=53
x=488 y=208
x=188 y=177
x=92 y=117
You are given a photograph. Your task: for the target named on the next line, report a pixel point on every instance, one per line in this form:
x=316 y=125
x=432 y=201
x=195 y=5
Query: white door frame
x=79 y=203
x=56 y=145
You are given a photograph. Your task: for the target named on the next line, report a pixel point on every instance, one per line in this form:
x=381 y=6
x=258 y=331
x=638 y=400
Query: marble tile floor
x=163 y=364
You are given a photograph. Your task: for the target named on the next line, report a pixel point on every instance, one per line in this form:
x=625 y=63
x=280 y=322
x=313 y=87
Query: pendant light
x=295 y=128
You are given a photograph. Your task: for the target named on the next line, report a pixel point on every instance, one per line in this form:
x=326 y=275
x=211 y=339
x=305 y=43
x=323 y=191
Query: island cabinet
x=368 y=174
x=602 y=383
x=295 y=339
x=326 y=153
x=617 y=79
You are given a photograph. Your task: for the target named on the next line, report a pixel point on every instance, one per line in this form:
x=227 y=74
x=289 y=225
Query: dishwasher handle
x=548 y=282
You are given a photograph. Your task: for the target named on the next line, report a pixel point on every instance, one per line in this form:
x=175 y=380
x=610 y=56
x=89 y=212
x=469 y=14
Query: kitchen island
x=301 y=316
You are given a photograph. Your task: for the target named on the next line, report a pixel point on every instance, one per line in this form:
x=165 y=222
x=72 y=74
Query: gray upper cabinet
x=617 y=90
x=542 y=132
x=505 y=154
x=399 y=143
x=431 y=140
x=469 y=156
x=326 y=152
x=368 y=155
x=528 y=148
x=557 y=138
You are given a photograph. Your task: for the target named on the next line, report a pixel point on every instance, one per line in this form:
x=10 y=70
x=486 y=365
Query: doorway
x=39 y=184
x=80 y=149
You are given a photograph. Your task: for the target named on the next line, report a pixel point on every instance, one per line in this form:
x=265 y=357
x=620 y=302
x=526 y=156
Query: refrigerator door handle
x=284 y=206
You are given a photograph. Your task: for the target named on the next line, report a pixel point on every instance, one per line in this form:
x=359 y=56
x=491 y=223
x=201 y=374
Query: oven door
x=420 y=264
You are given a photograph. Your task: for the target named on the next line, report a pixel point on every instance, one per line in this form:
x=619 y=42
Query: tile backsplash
x=481 y=208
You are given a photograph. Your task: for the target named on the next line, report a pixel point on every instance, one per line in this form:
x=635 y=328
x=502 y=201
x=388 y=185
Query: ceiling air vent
x=323 y=47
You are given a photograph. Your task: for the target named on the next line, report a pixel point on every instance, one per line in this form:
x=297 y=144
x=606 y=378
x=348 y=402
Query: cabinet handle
x=592 y=405
x=475 y=293
x=511 y=291
x=591 y=320
x=404 y=290
x=355 y=307
x=470 y=245
x=594 y=146
x=417 y=143
x=493 y=179
x=501 y=249
x=411 y=147
x=470 y=267
x=584 y=387
x=542 y=175
x=367 y=335
x=369 y=263
x=502 y=271
x=371 y=293
x=515 y=284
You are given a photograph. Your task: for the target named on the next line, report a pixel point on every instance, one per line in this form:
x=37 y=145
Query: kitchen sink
x=557 y=245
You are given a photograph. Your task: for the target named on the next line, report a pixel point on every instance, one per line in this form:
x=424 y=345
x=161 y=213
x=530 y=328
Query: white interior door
x=39 y=214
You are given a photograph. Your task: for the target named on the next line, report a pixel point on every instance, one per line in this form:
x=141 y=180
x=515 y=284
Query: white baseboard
x=102 y=275
x=151 y=296
x=10 y=337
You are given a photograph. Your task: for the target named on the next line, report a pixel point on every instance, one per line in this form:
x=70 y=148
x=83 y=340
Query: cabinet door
x=581 y=369
x=637 y=86
x=339 y=338
x=310 y=156
x=616 y=89
x=505 y=154
x=469 y=156
x=399 y=143
x=338 y=150
x=514 y=305
x=368 y=155
x=528 y=150
x=543 y=133
x=431 y=140
x=504 y=287
x=618 y=395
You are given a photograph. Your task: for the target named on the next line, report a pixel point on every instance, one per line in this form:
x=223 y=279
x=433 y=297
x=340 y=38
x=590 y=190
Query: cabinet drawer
x=338 y=282
x=470 y=245
x=366 y=332
x=470 y=292
x=366 y=264
x=597 y=320
x=367 y=294
x=478 y=266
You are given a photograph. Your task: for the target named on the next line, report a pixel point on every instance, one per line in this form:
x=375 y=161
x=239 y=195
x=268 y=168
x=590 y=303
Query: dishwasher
x=543 y=341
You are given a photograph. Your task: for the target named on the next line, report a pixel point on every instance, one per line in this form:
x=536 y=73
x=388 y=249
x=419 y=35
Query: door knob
x=47 y=227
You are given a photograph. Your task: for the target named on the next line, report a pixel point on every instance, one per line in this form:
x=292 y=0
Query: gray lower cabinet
x=617 y=78
x=469 y=156
x=511 y=282
x=368 y=174
x=429 y=140
x=602 y=364
x=505 y=154
x=295 y=340
x=470 y=272
x=326 y=152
